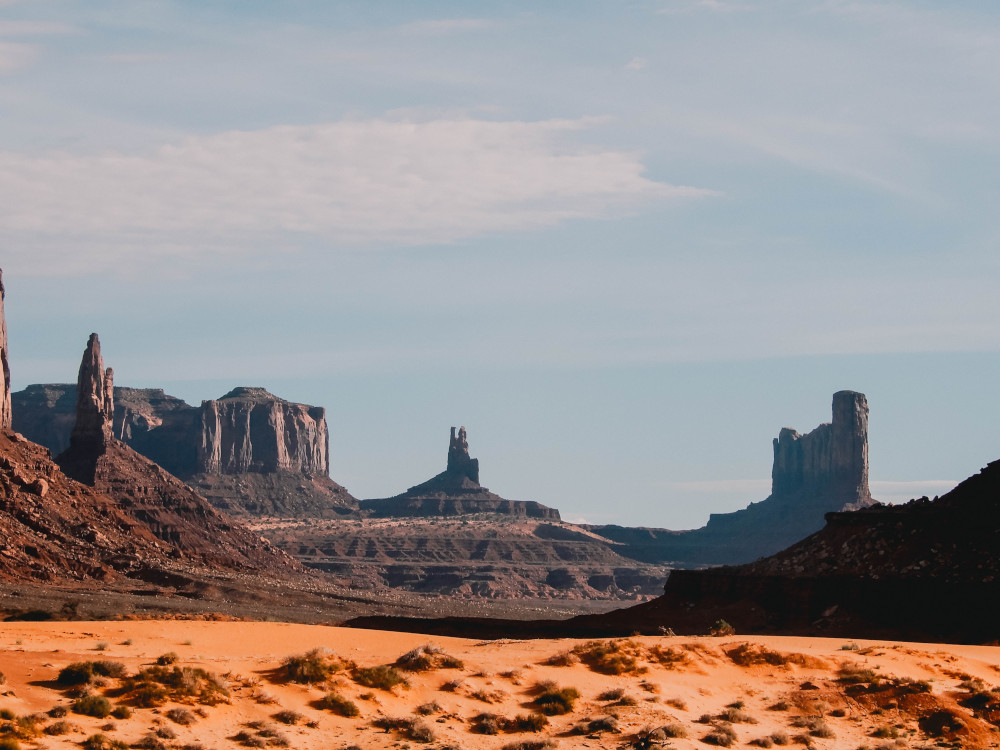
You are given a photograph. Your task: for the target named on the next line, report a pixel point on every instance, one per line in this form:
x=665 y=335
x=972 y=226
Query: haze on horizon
x=623 y=243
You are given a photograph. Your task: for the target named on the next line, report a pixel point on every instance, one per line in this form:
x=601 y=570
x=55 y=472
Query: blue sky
x=624 y=243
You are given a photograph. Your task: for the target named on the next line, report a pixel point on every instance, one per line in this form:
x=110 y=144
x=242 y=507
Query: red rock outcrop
x=171 y=510
x=5 y=413
x=455 y=491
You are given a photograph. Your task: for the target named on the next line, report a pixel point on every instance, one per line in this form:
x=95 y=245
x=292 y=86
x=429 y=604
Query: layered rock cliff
x=5 y=413
x=813 y=474
x=455 y=491
x=248 y=452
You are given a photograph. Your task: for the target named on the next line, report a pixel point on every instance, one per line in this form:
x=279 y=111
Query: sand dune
x=811 y=691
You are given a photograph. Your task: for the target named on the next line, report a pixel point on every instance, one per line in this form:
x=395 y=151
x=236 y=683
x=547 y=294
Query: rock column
x=5 y=413
x=460 y=463
x=95 y=401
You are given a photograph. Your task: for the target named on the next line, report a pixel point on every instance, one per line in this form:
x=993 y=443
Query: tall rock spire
x=5 y=414
x=460 y=463
x=95 y=401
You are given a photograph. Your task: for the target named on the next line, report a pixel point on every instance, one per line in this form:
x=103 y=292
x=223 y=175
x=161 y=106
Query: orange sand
x=245 y=654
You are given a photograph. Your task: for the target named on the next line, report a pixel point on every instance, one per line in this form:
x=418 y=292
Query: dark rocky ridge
x=455 y=491
x=813 y=474
x=249 y=452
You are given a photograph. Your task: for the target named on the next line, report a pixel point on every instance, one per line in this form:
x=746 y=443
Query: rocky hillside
x=249 y=452
x=813 y=474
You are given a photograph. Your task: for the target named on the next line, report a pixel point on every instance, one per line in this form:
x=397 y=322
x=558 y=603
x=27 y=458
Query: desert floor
x=817 y=692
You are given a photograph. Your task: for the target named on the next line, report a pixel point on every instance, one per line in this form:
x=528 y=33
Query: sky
x=623 y=243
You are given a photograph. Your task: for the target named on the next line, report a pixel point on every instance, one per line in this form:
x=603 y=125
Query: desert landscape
x=202 y=684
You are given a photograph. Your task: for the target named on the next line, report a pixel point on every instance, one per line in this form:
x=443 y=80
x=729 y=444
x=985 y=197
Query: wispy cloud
x=636 y=63
x=350 y=182
x=716 y=6
x=34 y=28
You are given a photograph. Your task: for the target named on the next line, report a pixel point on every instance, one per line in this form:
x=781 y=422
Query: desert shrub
x=451 y=685
x=838 y=712
x=485 y=723
x=885 y=733
x=3 y=678
x=722 y=735
x=181 y=716
x=339 y=705
x=563 y=659
x=150 y=742
x=101 y=646
x=530 y=745
x=92 y=705
x=533 y=722
x=674 y=730
x=611 y=656
x=427 y=657
x=721 y=628
x=287 y=716
x=57 y=712
x=103 y=742
x=58 y=727
x=820 y=728
x=9 y=743
x=667 y=657
x=82 y=672
x=121 y=712
x=855 y=674
x=779 y=706
x=313 y=666
x=153 y=686
x=615 y=694
x=127 y=642
x=762 y=742
x=553 y=700
x=428 y=709
x=487 y=696
x=165 y=660
x=779 y=738
x=736 y=716
x=411 y=729
x=382 y=677
x=596 y=726
x=677 y=703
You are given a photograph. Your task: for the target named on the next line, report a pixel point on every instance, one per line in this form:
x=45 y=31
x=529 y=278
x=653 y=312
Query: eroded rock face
x=460 y=463
x=833 y=457
x=251 y=430
x=5 y=412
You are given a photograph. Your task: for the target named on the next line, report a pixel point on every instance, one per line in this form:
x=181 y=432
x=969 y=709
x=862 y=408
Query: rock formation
x=171 y=510
x=251 y=430
x=5 y=413
x=813 y=474
x=249 y=452
x=455 y=491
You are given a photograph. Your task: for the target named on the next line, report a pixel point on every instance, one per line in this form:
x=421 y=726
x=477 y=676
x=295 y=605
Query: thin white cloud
x=636 y=63
x=349 y=182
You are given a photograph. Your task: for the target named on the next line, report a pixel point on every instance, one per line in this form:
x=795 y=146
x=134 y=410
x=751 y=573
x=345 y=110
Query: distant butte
x=455 y=491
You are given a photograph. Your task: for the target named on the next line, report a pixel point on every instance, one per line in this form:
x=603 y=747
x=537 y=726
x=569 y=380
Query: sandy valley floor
x=768 y=691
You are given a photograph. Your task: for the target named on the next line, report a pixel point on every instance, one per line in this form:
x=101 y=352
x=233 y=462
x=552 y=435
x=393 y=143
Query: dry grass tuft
x=428 y=657
x=381 y=678
x=314 y=666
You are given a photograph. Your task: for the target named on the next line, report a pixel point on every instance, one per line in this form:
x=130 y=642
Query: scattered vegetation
x=624 y=656
x=409 y=728
x=552 y=700
x=57 y=728
x=154 y=686
x=92 y=705
x=563 y=659
x=313 y=666
x=287 y=716
x=754 y=654
x=165 y=660
x=428 y=709
x=103 y=742
x=82 y=672
x=382 y=677
x=101 y=646
x=338 y=704
x=181 y=716
x=427 y=657
x=721 y=735
x=121 y=712
x=487 y=723
x=530 y=745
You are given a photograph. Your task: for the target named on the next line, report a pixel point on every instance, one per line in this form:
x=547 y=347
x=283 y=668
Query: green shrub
x=553 y=701
x=339 y=705
x=722 y=628
x=382 y=677
x=82 y=672
x=92 y=705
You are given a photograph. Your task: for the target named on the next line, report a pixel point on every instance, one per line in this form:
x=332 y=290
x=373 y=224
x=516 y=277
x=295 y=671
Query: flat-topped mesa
x=833 y=457
x=460 y=463
x=5 y=411
x=95 y=400
x=251 y=430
